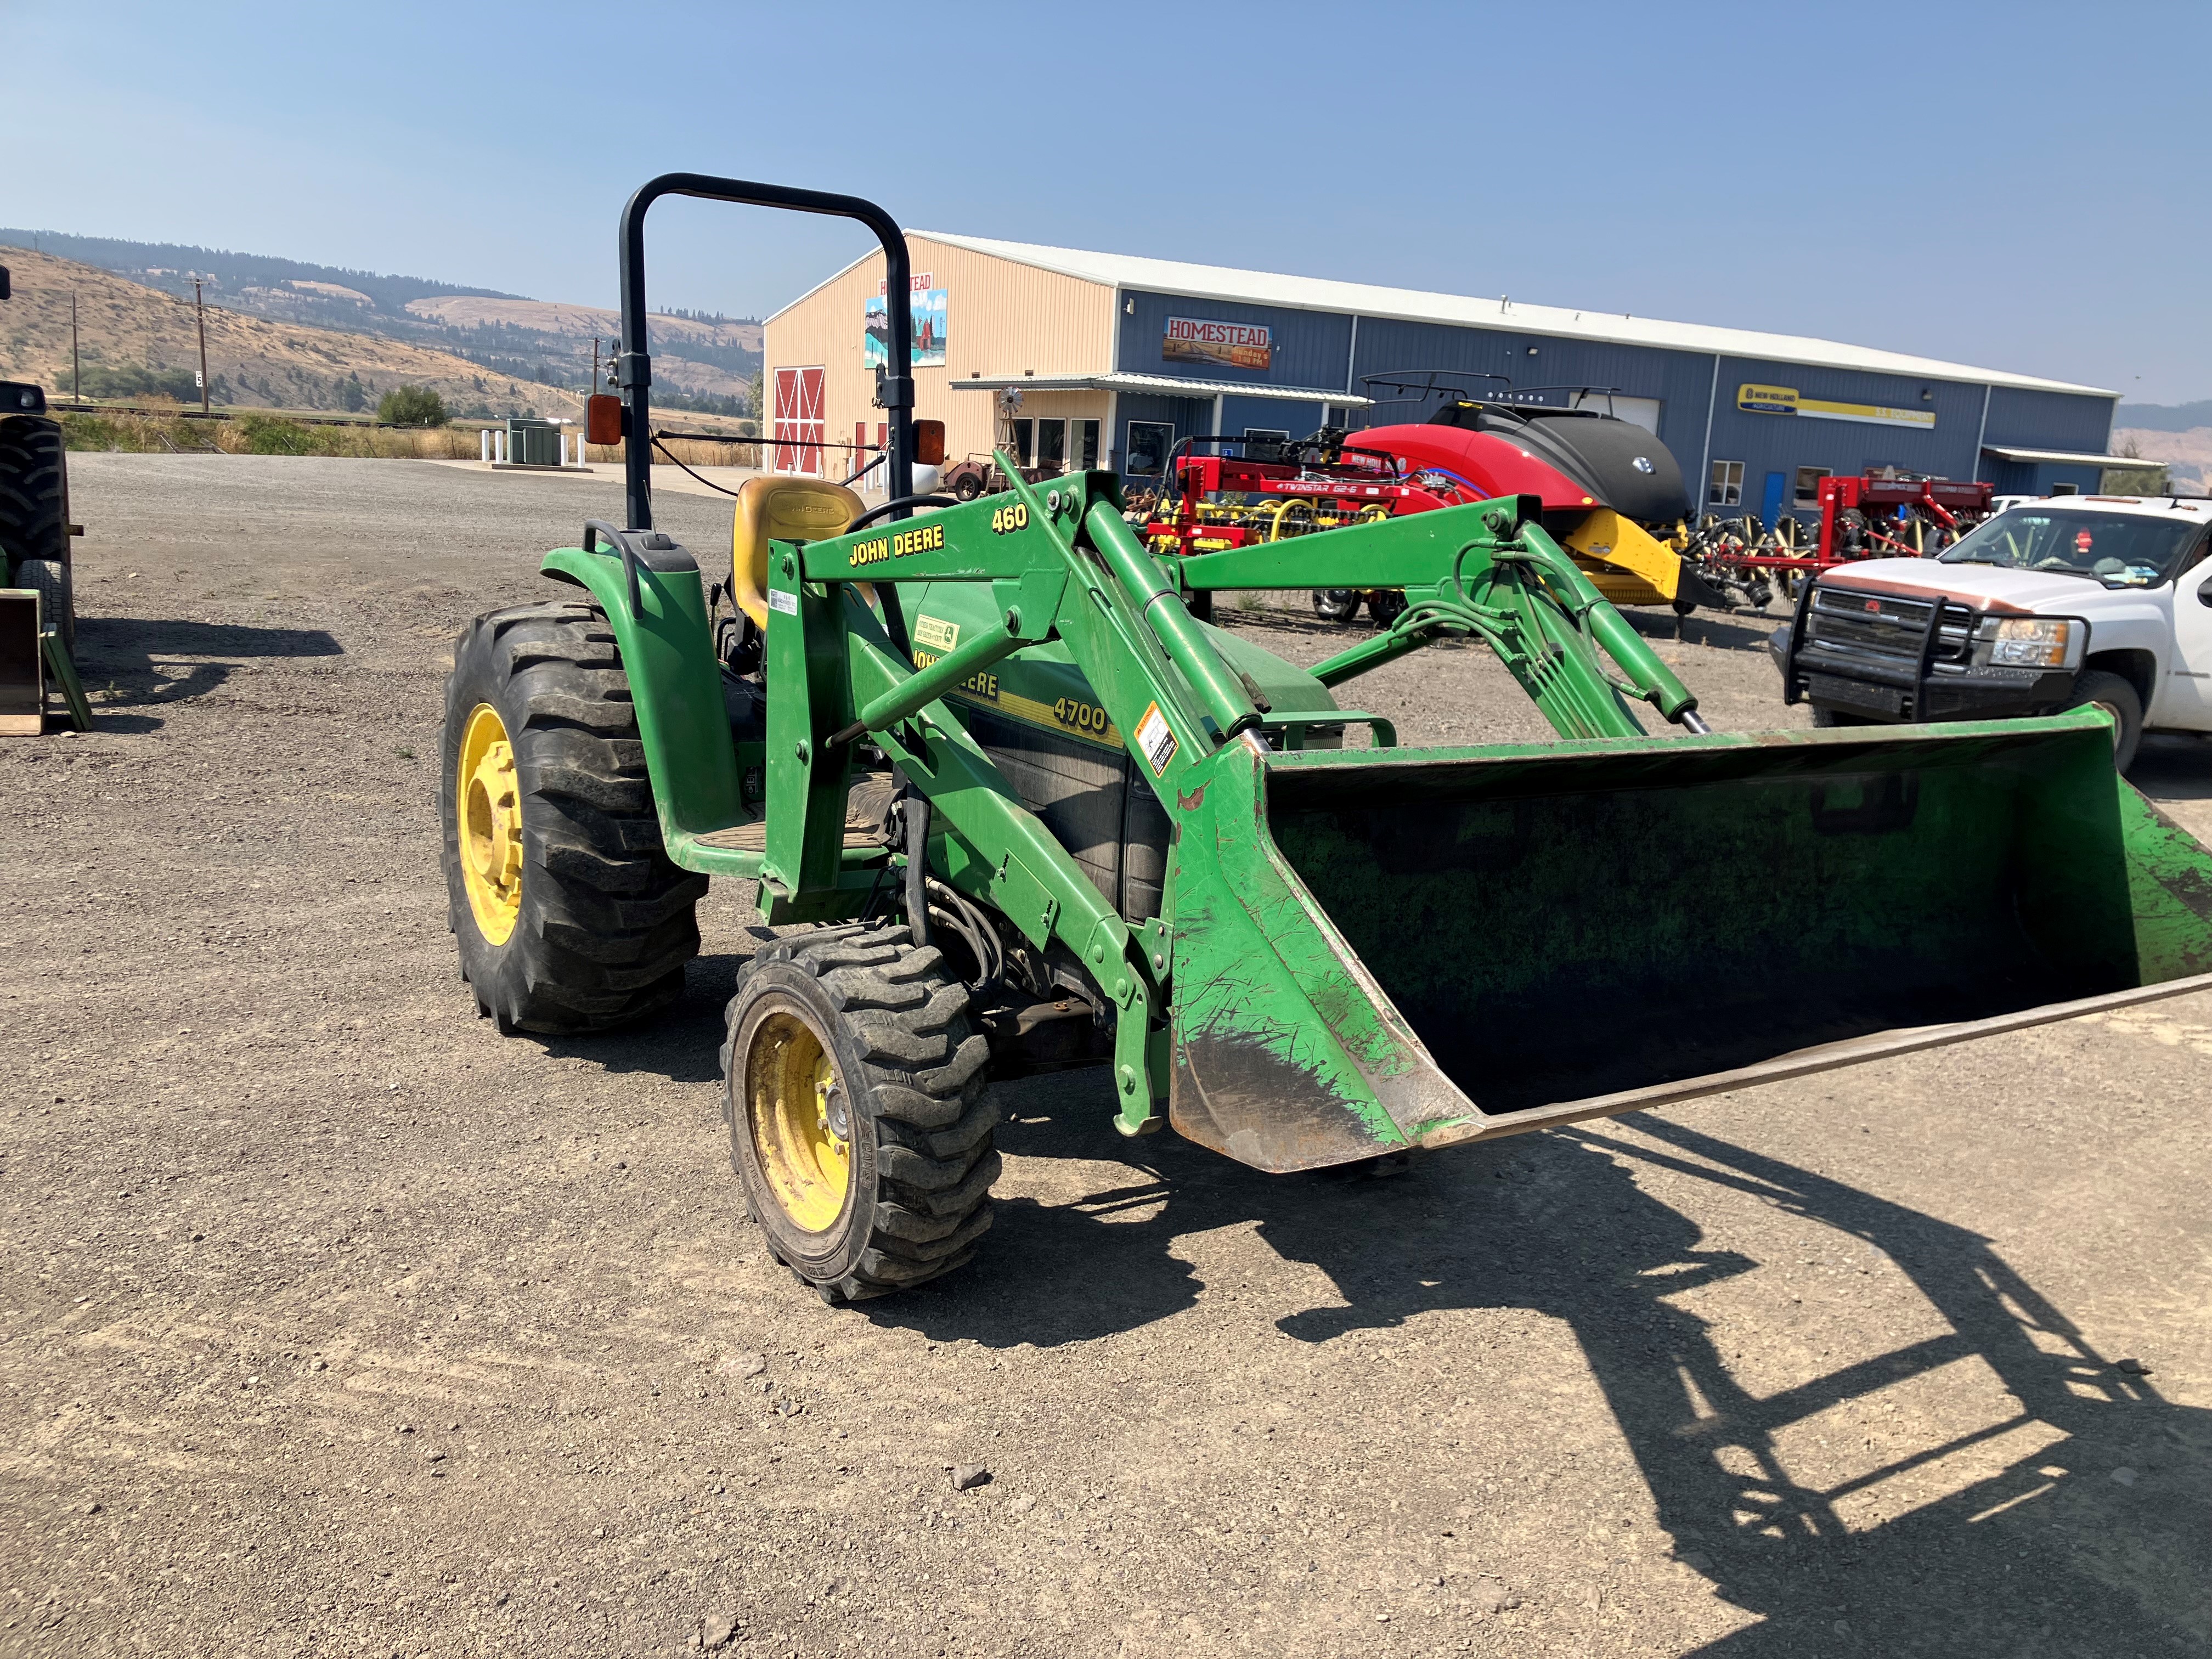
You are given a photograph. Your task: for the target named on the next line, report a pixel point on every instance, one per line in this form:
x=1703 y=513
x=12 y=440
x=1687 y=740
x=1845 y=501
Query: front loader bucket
x=1394 y=948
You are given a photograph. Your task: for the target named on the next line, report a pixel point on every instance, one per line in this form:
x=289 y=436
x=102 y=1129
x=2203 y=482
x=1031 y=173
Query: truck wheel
x=569 y=915
x=1336 y=605
x=854 y=1087
x=2117 y=698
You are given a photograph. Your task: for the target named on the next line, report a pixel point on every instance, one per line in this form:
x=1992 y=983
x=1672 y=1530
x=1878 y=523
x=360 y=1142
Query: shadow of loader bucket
x=1418 y=947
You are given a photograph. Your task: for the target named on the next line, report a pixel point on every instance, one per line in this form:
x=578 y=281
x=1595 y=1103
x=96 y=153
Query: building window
x=1726 y=488
x=1808 y=486
x=1149 y=444
x=1043 y=443
x=1052 y=447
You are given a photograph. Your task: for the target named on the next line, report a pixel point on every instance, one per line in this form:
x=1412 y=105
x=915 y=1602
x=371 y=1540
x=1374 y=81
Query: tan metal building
x=1118 y=357
x=989 y=317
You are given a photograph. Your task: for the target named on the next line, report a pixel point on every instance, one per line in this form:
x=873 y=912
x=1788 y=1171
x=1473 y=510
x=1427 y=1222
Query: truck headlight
x=2031 y=642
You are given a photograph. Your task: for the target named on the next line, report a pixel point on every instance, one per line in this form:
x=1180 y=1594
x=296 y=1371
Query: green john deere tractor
x=1019 y=810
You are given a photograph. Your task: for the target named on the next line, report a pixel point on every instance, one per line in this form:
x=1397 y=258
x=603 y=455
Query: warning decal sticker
x=1155 y=741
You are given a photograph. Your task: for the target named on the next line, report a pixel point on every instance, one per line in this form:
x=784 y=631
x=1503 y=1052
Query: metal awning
x=2068 y=458
x=1164 y=385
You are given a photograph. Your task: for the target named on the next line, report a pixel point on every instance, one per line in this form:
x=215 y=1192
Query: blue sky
x=2017 y=186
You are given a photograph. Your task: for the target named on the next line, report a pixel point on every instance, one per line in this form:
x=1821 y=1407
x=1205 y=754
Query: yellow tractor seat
x=785 y=509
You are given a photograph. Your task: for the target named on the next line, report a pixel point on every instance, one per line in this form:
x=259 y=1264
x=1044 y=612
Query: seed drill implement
x=1012 y=808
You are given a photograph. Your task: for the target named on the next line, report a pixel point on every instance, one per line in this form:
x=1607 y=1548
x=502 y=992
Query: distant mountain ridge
x=130 y=333
x=170 y=266
x=2163 y=417
x=701 y=362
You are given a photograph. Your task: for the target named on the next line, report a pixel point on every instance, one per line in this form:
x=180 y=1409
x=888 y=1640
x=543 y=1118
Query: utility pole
x=76 y=366
x=200 y=314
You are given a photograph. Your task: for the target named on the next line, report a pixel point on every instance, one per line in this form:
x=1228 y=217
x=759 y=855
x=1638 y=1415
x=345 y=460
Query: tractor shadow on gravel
x=129 y=663
x=2082 y=1534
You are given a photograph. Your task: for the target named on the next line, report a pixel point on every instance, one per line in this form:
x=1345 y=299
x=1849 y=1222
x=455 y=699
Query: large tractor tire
x=57 y=597
x=855 y=1089
x=568 y=914
x=35 y=517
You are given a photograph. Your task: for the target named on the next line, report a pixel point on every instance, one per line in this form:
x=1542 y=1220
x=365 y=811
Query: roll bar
x=633 y=366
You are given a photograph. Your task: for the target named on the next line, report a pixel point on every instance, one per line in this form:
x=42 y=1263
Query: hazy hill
x=705 y=356
x=2188 y=455
x=699 y=362
x=2163 y=417
x=125 y=326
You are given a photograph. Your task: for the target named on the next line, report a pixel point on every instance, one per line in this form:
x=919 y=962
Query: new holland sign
x=1785 y=400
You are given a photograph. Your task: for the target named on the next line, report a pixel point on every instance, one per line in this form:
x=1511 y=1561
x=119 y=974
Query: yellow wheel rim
x=801 y=1120
x=491 y=825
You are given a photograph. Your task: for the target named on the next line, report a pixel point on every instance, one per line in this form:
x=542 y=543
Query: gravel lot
x=335 y=1322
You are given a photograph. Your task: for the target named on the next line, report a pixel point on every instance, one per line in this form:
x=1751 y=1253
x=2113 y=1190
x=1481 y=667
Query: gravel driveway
x=335 y=1322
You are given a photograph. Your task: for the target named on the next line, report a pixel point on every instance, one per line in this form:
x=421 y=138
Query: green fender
x=668 y=651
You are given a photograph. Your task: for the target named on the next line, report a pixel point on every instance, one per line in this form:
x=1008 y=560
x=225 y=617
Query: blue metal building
x=1754 y=419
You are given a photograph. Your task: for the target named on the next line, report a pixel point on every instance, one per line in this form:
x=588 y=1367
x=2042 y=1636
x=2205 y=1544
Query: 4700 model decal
x=1069 y=714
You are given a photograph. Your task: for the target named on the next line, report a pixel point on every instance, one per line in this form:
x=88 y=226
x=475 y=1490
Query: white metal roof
x=1128 y=270
x=1172 y=386
x=2069 y=457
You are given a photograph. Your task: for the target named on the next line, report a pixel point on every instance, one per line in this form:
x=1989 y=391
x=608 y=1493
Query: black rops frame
x=634 y=368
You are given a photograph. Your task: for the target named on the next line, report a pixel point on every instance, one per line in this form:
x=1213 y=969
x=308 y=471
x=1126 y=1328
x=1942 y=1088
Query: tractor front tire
x=855 y=1089
x=569 y=915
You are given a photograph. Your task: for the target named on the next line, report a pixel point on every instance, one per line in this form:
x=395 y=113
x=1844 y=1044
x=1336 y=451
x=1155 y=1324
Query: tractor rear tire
x=569 y=915
x=34 y=515
x=855 y=1089
x=57 y=597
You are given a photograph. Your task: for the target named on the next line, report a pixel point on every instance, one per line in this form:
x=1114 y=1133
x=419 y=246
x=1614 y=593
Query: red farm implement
x=1873 y=515
x=1244 y=492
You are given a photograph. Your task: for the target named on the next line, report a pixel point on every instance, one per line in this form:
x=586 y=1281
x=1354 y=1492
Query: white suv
x=2049 y=604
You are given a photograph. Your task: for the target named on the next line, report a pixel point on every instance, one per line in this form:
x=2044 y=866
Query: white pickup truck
x=2051 y=605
